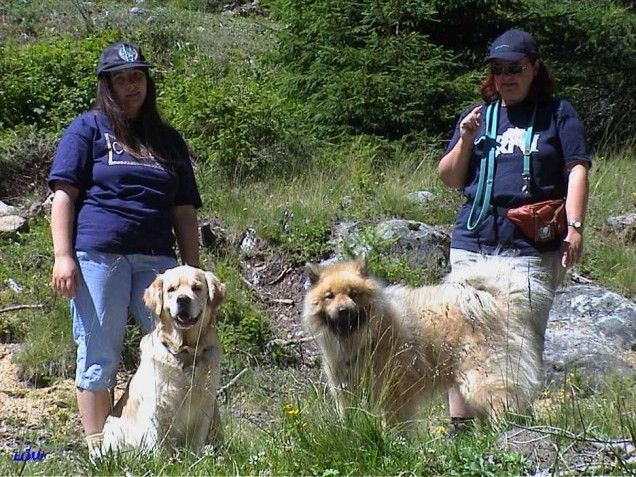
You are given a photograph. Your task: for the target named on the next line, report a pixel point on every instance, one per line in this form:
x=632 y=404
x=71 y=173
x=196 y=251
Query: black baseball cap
x=121 y=56
x=512 y=45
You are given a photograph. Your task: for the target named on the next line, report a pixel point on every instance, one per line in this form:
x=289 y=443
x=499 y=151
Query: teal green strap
x=481 y=201
x=527 y=151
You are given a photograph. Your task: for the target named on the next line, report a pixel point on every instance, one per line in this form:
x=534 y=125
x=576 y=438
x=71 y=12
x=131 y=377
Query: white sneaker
x=94 y=443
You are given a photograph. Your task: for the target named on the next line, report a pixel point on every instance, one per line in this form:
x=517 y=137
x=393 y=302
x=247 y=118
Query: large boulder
x=420 y=244
x=593 y=331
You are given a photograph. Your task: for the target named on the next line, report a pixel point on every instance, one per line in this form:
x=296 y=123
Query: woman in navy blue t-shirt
x=539 y=152
x=124 y=187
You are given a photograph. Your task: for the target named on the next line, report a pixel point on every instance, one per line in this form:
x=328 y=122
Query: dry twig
x=20 y=307
x=281 y=276
x=231 y=382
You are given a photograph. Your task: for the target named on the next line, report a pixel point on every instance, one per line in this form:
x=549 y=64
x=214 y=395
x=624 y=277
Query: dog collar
x=187 y=354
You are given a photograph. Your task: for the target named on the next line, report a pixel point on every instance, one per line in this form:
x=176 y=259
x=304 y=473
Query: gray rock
x=349 y=240
x=248 y=242
x=6 y=209
x=621 y=221
x=421 y=244
x=591 y=330
x=624 y=226
x=12 y=224
x=420 y=197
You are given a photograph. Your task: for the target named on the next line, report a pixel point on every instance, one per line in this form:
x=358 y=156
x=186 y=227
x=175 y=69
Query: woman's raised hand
x=470 y=124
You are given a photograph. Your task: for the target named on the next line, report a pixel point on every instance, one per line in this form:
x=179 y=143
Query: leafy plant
x=48 y=82
x=367 y=67
x=243 y=328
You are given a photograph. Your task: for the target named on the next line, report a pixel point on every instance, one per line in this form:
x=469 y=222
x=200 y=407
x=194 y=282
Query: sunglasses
x=507 y=69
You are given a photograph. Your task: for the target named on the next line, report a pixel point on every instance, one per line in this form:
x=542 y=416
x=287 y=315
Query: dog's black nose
x=183 y=300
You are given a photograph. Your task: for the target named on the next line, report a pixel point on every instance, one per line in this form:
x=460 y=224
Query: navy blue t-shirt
x=558 y=139
x=124 y=203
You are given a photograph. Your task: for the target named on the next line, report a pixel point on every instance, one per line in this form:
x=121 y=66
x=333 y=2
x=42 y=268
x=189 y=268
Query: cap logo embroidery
x=502 y=46
x=128 y=53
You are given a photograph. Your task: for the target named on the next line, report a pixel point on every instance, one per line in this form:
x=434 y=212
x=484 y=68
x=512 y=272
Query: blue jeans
x=111 y=285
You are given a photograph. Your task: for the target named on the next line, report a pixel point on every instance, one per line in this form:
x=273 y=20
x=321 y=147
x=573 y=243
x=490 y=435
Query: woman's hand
x=470 y=124
x=65 y=278
x=453 y=167
x=571 y=248
x=575 y=207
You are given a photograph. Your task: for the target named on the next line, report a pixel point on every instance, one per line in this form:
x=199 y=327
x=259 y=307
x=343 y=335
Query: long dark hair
x=143 y=137
x=542 y=87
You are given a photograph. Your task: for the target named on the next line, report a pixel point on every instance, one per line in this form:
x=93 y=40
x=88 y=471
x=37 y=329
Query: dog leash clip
x=525 y=188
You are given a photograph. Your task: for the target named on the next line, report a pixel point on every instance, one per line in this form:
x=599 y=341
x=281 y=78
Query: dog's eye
x=328 y=295
x=171 y=289
x=353 y=293
x=196 y=287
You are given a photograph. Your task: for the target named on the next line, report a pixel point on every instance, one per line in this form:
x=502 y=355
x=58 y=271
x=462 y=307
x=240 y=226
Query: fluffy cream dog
x=396 y=345
x=170 y=401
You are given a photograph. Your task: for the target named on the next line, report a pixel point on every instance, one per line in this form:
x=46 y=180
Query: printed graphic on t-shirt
x=116 y=155
x=514 y=137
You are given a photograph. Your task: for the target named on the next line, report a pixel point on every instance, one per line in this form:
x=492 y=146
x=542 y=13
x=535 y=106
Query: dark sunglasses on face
x=507 y=69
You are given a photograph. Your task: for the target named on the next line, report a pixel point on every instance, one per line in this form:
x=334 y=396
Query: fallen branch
x=280 y=277
x=264 y=297
x=556 y=431
x=282 y=342
x=283 y=301
x=231 y=383
x=247 y=282
x=20 y=307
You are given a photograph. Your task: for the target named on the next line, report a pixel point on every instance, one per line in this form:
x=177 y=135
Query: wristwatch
x=577 y=224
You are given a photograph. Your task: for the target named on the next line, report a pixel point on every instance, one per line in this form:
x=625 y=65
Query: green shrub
x=391 y=68
x=48 y=82
x=48 y=351
x=366 y=66
x=304 y=236
x=25 y=157
x=199 y=5
x=243 y=328
x=591 y=46
x=234 y=119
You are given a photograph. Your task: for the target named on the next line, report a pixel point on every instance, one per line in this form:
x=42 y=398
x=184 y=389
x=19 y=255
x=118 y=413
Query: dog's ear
x=313 y=272
x=361 y=263
x=153 y=296
x=216 y=289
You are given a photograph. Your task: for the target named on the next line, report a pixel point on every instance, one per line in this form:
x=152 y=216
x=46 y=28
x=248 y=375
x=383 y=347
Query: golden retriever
x=170 y=401
x=394 y=346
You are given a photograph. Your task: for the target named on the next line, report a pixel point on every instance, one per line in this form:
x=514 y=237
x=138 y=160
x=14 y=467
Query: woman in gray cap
x=520 y=146
x=123 y=188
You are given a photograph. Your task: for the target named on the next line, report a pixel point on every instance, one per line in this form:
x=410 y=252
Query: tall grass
x=302 y=435
x=608 y=257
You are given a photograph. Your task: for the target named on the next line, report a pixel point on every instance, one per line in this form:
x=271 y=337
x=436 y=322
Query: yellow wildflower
x=291 y=410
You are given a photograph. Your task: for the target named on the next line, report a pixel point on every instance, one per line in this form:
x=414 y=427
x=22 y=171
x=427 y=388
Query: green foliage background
x=316 y=112
x=395 y=68
x=259 y=100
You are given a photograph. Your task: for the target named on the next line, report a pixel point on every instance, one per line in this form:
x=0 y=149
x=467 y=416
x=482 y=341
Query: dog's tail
x=494 y=287
x=512 y=304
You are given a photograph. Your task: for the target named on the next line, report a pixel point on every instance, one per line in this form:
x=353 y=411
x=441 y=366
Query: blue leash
x=487 y=165
x=486 y=168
